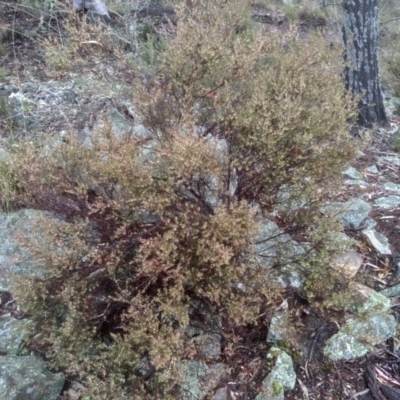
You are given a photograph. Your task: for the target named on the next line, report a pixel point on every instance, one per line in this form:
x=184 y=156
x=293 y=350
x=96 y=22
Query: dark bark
x=360 y=36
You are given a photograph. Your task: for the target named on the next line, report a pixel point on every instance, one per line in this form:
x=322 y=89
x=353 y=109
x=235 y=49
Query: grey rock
x=369 y=223
x=385 y=132
x=353 y=182
x=342 y=242
x=120 y=125
x=290 y=199
x=288 y=276
x=35 y=103
x=344 y=347
x=392 y=105
x=4 y=154
x=372 y=169
x=388 y=201
x=393 y=187
x=379 y=242
x=15 y=261
x=373 y=330
x=364 y=301
x=281 y=378
x=221 y=394
x=6 y=90
x=271 y=389
x=351 y=213
x=352 y=173
x=204 y=334
x=272 y=243
x=372 y=303
x=392 y=160
x=21 y=109
x=349 y=263
x=76 y=389
x=358 y=336
x=97 y=7
x=278 y=327
x=26 y=378
x=391 y=291
x=198 y=378
x=13 y=333
x=208 y=346
x=394 y=128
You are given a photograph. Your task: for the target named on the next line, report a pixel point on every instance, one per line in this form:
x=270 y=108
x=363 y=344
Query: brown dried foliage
x=154 y=227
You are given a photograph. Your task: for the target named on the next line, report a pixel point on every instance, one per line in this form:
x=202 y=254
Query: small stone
x=221 y=394
x=369 y=223
x=27 y=377
x=391 y=291
x=379 y=242
x=388 y=202
x=288 y=277
x=12 y=333
x=359 y=336
x=392 y=160
x=356 y=182
x=282 y=377
x=344 y=347
x=349 y=263
x=278 y=327
x=369 y=301
x=393 y=187
x=376 y=329
x=271 y=243
x=73 y=394
x=352 y=173
x=372 y=169
x=198 y=378
x=351 y=214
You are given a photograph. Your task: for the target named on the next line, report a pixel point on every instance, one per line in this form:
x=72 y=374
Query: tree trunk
x=360 y=36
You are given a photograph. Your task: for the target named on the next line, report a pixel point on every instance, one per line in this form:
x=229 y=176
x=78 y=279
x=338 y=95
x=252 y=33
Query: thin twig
x=362 y=393
x=390 y=20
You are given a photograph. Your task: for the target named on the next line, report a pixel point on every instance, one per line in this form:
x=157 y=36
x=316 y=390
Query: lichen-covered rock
x=392 y=160
x=288 y=276
x=198 y=378
x=207 y=345
x=390 y=186
x=372 y=303
x=278 y=327
x=221 y=394
x=359 y=336
x=15 y=261
x=388 y=201
x=356 y=182
x=344 y=347
x=12 y=333
x=379 y=242
x=352 y=173
x=281 y=378
x=26 y=378
x=372 y=169
x=391 y=291
x=351 y=213
x=272 y=243
x=348 y=264
x=204 y=334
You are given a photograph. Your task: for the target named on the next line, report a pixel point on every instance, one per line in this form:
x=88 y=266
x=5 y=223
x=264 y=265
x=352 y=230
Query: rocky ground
x=374 y=179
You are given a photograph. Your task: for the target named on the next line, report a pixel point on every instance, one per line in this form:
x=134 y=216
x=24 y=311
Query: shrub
x=163 y=224
x=393 y=67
